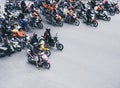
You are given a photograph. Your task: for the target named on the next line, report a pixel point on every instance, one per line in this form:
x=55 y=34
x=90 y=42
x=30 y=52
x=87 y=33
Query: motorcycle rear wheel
x=77 y=22
x=48 y=53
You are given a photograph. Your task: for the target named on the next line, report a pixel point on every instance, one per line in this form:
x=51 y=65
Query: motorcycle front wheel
x=59 y=46
x=95 y=23
x=112 y=13
x=117 y=11
x=60 y=24
x=107 y=19
x=46 y=65
x=40 y=25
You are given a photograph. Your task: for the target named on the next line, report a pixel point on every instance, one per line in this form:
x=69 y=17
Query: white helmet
x=18 y=27
x=42 y=42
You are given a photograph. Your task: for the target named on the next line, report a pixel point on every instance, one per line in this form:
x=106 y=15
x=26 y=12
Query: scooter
x=93 y=22
x=4 y=51
x=42 y=62
x=103 y=15
x=52 y=43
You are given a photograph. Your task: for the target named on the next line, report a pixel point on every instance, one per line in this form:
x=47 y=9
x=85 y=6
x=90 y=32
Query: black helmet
x=34 y=34
x=47 y=29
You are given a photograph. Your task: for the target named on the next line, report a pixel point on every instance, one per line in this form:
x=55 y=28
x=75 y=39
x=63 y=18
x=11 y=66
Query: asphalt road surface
x=90 y=59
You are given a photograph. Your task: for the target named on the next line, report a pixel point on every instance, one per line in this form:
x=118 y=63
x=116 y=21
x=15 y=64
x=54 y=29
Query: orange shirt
x=44 y=5
x=20 y=34
x=51 y=8
x=14 y=32
x=99 y=8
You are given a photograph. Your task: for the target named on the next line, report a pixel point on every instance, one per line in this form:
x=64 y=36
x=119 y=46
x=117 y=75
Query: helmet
x=89 y=8
x=12 y=39
x=47 y=29
x=42 y=42
x=4 y=14
x=18 y=27
x=34 y=35
x=100 y=4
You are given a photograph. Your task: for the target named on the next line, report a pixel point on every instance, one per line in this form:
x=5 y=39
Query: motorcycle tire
x=60 y=46
x=77 y=22
x=107 y=19
x=95 y=23
x=46 y=65
x=117 y=11
x=18 y=49
x=112 y=13
x=48 y=53
x=40 y=25
x=60 y=24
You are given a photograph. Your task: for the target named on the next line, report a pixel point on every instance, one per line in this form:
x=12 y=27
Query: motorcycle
x=6 y=50
x=111 y=10
x=16 y=45
x=80 y=13
x=38 y=23
x=3 y=51
x=41 y=62
x=103 y=15
x=116 y=6
x=9 y=5
x=93 y=22
x=55 y=22
x=39 y=48
x=52 y=43
x=72 y=20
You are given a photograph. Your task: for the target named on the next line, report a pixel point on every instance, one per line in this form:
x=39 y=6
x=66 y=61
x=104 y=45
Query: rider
x=43 y=56
x=32 y=55
x=58 y=18
x=88 y=15
x=34 y=15
x=47 y=35
x=34 y=39
x=42 y=46
x=99 y=8
x=23 y=6
x=4 y=27
x=18 y=32
x=68 y=15
x=24 y=23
